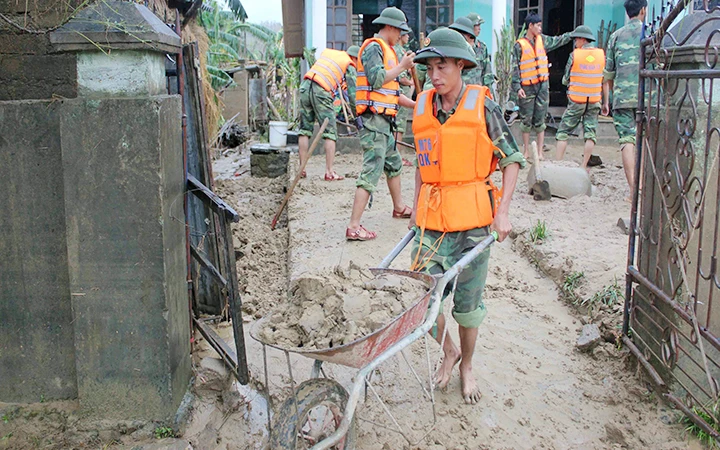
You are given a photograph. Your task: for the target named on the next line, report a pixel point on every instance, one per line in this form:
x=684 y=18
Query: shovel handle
x=299 y=174
x=416 y=81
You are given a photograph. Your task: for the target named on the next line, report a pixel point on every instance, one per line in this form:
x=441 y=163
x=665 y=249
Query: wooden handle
x=405 y=144
x=299 y=174
x=536 y=160
x=416 y=81
x=273 y=109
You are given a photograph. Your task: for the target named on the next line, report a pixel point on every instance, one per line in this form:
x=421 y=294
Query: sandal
x=333 y=177
x=361 y=234
x=404 y=214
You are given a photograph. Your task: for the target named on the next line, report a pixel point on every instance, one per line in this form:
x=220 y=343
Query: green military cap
x=353 y=50
x=463 y=25
x=583 y=31
x=476 y=19
x=404 y=32
x=446 y=43
x=393 y=17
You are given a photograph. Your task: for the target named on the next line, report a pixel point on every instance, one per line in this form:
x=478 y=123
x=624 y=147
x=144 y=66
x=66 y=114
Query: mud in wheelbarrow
x=360 y=352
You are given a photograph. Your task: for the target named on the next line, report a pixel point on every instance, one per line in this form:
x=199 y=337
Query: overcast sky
x=260 y=11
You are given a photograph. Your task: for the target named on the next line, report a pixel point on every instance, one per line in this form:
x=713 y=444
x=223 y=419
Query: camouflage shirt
x=550 y=43
x=400 y=52
x=506 y=148
x=622 y=64
x=484 y=62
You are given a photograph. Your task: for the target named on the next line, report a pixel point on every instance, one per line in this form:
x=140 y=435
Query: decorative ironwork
x=672 y=311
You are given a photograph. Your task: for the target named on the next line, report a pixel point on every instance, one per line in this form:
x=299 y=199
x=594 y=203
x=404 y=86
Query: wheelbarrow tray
x=360 y=352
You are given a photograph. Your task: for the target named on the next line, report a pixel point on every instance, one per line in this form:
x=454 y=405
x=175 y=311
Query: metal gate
x=672 y=311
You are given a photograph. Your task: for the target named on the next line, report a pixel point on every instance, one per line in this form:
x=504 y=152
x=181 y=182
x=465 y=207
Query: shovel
x=541 y=189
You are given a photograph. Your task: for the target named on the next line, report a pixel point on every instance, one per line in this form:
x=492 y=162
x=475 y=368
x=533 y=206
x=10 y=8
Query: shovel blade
x=541 y=191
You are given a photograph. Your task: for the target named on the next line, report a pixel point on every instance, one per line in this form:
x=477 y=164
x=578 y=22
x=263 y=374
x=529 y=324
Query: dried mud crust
x=333 y=309
x=261 y=253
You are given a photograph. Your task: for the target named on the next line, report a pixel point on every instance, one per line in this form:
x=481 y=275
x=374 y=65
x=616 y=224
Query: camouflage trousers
x=576 y=113
x=379 y=152
x=468 y=308
x=624 y=120
x=533 y=108
x=316 y=104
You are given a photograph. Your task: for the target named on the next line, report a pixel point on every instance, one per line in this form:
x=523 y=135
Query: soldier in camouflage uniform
x=435 y=252
x=533 y=100
x=406 y=87
x=622 y=76
x=576 y=113
x=378 y=143
x=317 y=104
x=482 y=53
x=464 y=26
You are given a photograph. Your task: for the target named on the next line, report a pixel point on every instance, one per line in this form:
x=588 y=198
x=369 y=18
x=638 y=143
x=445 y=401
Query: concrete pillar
x=126 y=254
x=123 y=189
x=319 y=26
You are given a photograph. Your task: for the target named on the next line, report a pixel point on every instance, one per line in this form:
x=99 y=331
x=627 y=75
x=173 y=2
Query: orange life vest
x=586 y=75
x=385 y=100
x=455 y=160
x=329 y=70
x=534 y=62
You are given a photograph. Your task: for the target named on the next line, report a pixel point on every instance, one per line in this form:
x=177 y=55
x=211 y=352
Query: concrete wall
x=482 y=7
x=28 y=69
x=235 y=99
x=37 y=359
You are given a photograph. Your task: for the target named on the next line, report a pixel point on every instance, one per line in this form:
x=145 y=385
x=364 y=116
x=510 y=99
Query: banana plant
x=504 y=61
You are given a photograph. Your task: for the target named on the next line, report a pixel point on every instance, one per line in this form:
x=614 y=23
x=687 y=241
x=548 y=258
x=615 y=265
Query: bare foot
x=470 y=392
x=444 y=372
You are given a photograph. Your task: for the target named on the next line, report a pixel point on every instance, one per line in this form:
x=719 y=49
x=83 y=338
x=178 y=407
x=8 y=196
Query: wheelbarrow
x=324 y=401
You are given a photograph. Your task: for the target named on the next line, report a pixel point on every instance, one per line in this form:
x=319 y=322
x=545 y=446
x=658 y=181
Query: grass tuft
x=609 y=295
x=699 y=433
x=164 y=432
x=572 y=281
x=539 y=232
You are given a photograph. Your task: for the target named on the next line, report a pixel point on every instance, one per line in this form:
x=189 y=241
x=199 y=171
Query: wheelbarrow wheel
x=320 y=407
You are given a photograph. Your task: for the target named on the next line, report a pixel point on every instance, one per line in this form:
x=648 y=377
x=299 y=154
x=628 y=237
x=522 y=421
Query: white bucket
x=278 y=134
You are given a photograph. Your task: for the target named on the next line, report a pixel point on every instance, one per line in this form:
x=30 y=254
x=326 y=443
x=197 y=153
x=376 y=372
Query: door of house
x=338 y=24
x=558 y=17
x=435 y=14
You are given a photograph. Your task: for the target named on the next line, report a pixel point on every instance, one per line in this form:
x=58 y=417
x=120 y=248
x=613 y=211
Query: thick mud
x=334 y=309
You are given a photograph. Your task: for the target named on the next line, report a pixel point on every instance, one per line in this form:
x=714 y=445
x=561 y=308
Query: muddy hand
x=502 y=226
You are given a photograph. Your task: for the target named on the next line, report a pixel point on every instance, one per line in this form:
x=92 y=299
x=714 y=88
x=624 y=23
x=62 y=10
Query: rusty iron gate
x=672 y=311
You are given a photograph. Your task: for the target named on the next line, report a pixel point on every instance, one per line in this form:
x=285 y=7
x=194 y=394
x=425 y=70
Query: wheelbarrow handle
x=398 y=248
x=468 y=258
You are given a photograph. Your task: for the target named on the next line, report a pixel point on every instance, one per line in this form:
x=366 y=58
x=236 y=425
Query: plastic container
x=278 y=134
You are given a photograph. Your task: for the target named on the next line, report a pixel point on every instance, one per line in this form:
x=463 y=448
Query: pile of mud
x=337 y=308
x=261 y=252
